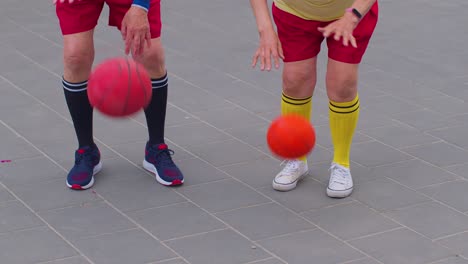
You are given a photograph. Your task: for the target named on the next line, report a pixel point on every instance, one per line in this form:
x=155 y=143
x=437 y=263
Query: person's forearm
x=363 y=6
x=262 y=15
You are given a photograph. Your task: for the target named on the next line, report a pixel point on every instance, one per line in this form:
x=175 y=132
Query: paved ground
x=410 y=157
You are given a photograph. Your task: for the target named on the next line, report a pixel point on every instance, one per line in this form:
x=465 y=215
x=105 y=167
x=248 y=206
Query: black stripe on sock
x=296 y=103
x=74 y=87
x=159 y=82
x=349 y=112
x=344 y=107
x=296 y=99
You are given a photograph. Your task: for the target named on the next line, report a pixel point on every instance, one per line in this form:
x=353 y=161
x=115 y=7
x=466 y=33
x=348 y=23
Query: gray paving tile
x=365 y=154
x=39 y=124
x=195 y=134
x=136 y=192
x=415 y=174
x=401 y=246
x=16 y=148
x=384 y=194
x=388 y=82
x=51 y=194
x=450 y=193
x=458 y=243
x=15 y=216
x=452 y=260
x=178 y=220
x=454 y=135
x=323 y=137
x=461 y=170
x=121 y=248
x=254 y=135
x=233 y=152
x=254 y=222
x=425 y=119
x=400 y=136
x=439 y=154
x=391 y=105
x=174 y=117
x=124 y=130
x=230 y=248
x=431 y=219
x=197 y=171
x=222 y=118
x=12 y=98
x=255 y=99
x=173 y=261
x=363 y=261
x=5 y=195
x=30 y=171
x=90 y=219
x=359 y=220
x=368 y=118
x=222 y=195
x=445 y=105
x=268 y=261
x=191 y=98
x=256 y=173
x=72 y=260
x=311 y=247
x=43 y=245
x=308 y=195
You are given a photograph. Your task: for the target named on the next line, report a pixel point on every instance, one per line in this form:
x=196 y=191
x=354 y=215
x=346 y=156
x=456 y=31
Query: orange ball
x=291 y=136
x=119 y=87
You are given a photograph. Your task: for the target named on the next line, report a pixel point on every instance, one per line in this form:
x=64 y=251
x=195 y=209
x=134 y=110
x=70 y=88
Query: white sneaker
x=341 y=182
x=287 y=179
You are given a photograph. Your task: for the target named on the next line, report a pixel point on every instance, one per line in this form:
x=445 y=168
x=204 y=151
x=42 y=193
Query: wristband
x=144 y=4
x=355 y=12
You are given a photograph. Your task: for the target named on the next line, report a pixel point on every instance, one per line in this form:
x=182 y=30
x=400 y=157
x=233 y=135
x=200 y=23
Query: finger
x=280 y=50
x=128 y=42
x=338 y=35
x=124 y=30
x=345 y=40
x=262 y=60
x=136 y=43
x=353 y=41
x=148 y=38
x=255 y=59
x=268 y=59
x=275 y=58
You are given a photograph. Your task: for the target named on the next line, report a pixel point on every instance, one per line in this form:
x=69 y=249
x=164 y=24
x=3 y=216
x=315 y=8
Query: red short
x=301 y=40
x=83 y=15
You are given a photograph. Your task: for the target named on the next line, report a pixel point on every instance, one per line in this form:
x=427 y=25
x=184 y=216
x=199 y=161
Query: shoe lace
x=163 y=156
x=339 y=174
x=291 y=167
x=84 y=157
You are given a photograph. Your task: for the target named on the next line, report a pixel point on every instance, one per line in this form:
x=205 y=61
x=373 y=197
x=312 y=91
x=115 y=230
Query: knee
x=78 y=61
x=342 y=88
x=153 y=60
x=295 y=83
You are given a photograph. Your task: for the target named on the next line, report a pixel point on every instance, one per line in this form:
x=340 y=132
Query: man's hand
x=342 y=28
x=136 y=31
x=269 y=46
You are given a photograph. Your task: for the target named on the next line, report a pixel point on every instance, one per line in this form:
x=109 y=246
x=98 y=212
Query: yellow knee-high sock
x=343 y=121
x=300 y=106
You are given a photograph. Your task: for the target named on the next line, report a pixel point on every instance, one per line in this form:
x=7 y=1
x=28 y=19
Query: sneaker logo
x=162 y=146
x=171 y=173
x=80 y=176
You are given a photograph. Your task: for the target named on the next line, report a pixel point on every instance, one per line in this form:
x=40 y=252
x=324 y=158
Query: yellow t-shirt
x=319 y=10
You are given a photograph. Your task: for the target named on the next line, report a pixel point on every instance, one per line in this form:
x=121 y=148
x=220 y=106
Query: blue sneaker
x=158 y=161
x=87 y=164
